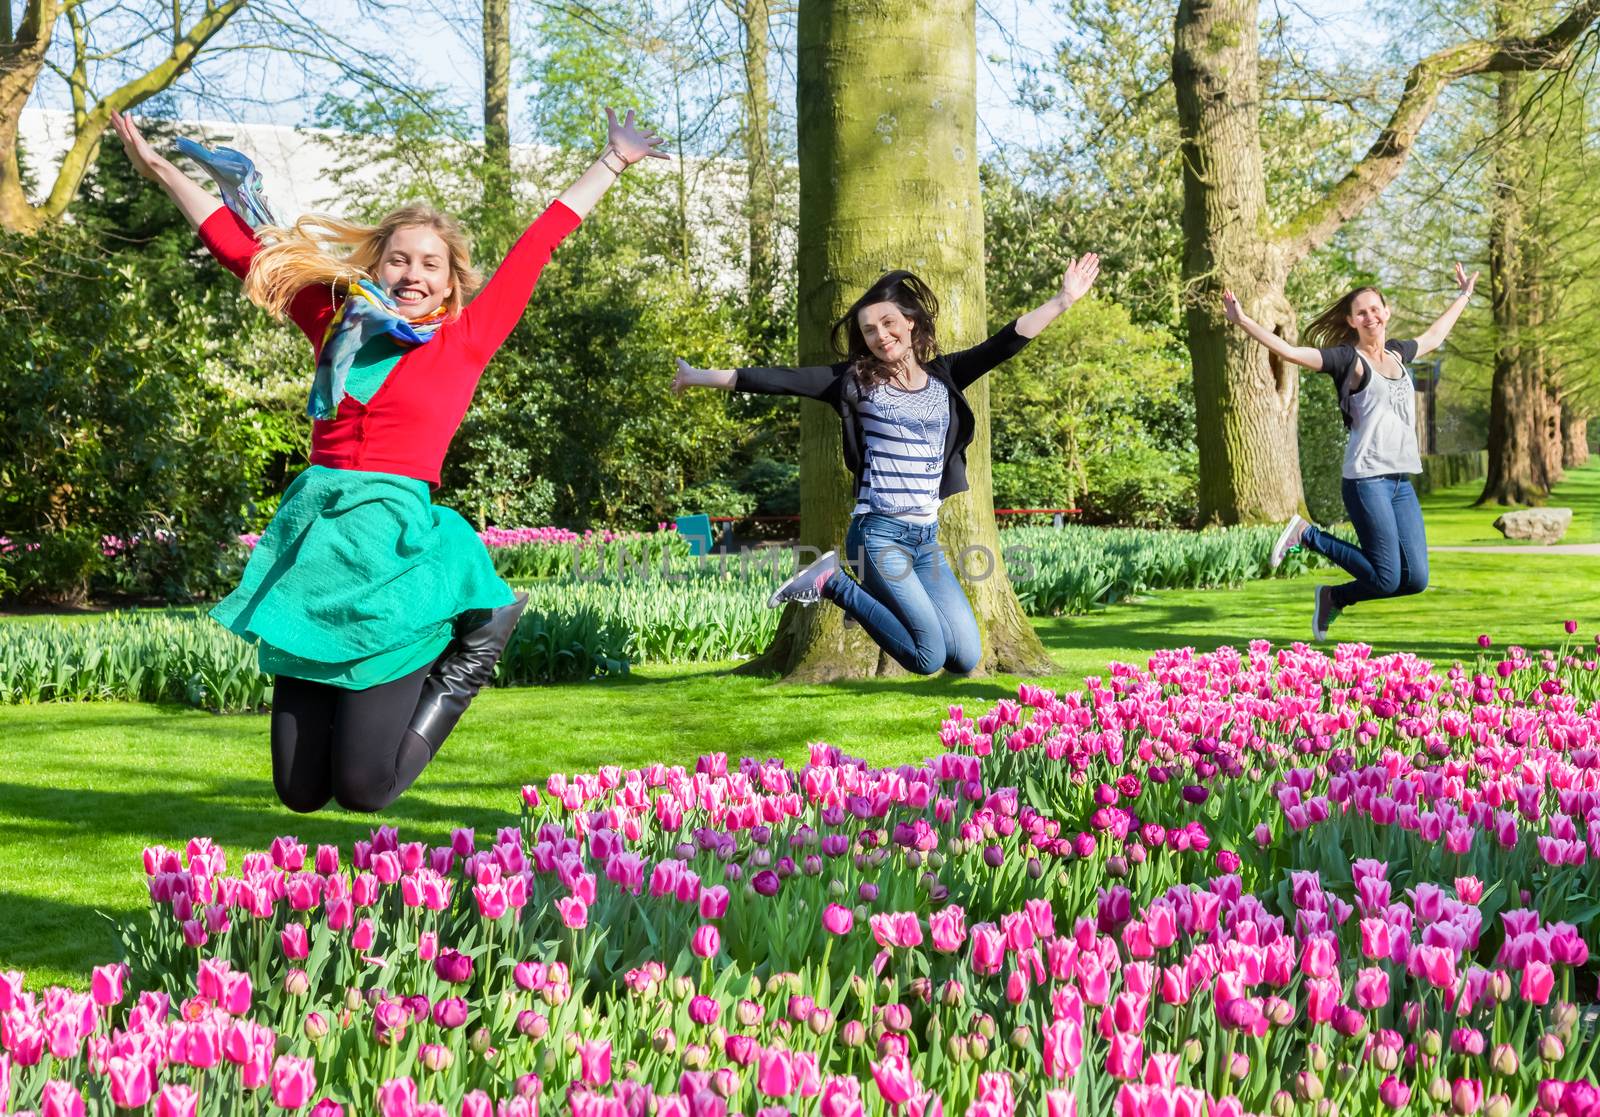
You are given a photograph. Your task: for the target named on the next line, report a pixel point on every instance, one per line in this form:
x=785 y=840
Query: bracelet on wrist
x=613 y=160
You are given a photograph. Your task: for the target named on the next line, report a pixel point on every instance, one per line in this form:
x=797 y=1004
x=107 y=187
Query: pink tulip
x=131 y=1085
x=574 y=912
x=177 y=1100
x=293 y=1081
x=1060 y=1103
x=295 y=943
x=1063 y=1048
x=775 y=1072
x=838 y=919
x=894 y=1078
x=1372 y=988
x=707 y=942
x=57 y=1099
x=476 y=1103
x=1125 y=1058
x=594 y=1058
x=106 y=984
x=1538 y=979
x=398 y=1097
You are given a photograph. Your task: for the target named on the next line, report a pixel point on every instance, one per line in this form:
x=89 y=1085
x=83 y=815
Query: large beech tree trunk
x=497 y=116
x=889 y=178
x=1245 y=404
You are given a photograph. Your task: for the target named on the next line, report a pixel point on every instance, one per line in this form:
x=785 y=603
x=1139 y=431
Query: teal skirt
x=358 y=579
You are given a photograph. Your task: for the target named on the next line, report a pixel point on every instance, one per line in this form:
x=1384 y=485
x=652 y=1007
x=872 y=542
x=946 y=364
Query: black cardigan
x=836 y=386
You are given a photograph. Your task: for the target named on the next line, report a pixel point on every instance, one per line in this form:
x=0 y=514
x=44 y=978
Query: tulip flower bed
x=1269 y=881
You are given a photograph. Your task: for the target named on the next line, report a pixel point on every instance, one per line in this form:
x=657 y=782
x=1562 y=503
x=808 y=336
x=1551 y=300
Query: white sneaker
x=1289 y=537
x=805 y=588
x=1323 y=613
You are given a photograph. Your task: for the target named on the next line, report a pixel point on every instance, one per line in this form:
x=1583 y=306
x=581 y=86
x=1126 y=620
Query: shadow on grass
x=239 y=813
x=40 y=932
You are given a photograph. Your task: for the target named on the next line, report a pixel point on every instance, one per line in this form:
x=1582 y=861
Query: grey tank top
x=1383 y=427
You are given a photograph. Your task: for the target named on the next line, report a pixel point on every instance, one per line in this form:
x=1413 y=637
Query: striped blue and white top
x=905 y=436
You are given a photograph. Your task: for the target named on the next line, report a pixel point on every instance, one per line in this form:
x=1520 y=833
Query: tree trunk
x=761 y=189
x=1246 y=401
x=1518 y=396
x=497 y=199
x=1574 y=438
x=889 y=178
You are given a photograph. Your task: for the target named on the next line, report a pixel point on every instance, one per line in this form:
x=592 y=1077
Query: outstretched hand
x=144 y=158
x=1080 y=277
x=1230 y=307
x=629 y=142
x=1464 y=281
x=681 y=380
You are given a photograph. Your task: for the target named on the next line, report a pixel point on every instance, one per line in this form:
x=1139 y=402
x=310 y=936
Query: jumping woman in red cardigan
x=378 y=613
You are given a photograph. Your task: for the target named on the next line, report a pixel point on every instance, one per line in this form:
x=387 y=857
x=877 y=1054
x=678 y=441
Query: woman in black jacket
x=906 y=428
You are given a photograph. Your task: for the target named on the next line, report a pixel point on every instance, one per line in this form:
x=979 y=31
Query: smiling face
x=1369 y=314
x=886 y=330
x=415 y=270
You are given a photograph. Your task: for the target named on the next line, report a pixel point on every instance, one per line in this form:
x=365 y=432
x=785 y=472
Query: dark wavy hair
x=1332 y=327
x=915 y=301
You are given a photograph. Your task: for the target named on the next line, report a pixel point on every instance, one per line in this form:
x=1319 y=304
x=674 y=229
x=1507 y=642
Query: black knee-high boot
x=464 y=669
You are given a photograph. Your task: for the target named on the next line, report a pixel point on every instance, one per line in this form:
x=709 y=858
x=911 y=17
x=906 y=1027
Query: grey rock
x=1541 y=525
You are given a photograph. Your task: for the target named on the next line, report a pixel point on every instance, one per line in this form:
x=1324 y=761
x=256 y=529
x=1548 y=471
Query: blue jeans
x=1392 y=560
x=908 y=598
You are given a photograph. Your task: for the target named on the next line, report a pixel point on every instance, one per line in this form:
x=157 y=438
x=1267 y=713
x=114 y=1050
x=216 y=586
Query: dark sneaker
x=1290 y=537
x=805 y=588
x=1323 y=613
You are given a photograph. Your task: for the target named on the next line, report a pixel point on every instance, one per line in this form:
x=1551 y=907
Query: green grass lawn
x=1454 y=522
x=83 y=788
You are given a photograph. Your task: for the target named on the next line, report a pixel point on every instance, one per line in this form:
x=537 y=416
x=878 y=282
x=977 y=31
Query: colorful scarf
x=366 y=312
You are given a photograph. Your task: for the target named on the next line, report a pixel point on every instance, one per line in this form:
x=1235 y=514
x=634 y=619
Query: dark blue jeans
x=908 y=598
x=1392 y=560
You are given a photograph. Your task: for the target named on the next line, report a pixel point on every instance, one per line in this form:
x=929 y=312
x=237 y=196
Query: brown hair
x=299 y=256
x=914 y=300
x=1332 y=326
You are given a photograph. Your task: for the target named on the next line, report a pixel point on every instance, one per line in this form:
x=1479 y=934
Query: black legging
x=353 y=746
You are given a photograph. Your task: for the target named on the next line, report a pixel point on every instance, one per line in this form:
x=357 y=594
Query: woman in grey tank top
x=1349 y=341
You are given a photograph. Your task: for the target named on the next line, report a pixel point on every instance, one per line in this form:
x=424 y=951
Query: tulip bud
x=956 y=1045
x=1344 y=1072
x=316 y=1026
x=913 y=858
x=1193 y=1050
x=354 y=999
x=1282 y=1104
x=1564 y=1019
x=985 y=1026
x=837 y=890
x=935 y=860
x=1439 y=1090
x=1116 y=866
x=682 y=987
x=533 y=1025
x=1551 y=1049
x=1432 y=1043
x=529 y=1086
x=436 y=1057
x=1021 y=1036
x=1504 y=1060
x=1307 y=1086
x=1385 y=1058
x=296 y=983
x=480 y=1041
x=696 y=1056
x=665 y=1041
x=978 y=1047
x=853 y=1034
x=1317 y=1056
x=819 y=1021
x=755 y=986
x=1239 y=1065
x=1498 y=1105
x=724 y=1082
x=1034 y=869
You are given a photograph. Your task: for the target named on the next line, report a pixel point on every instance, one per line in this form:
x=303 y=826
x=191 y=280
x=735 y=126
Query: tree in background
x=113 y=57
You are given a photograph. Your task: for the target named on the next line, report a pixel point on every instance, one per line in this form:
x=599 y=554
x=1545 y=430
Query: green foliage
x=775 y=486
x=1097 y=411
x=714 y=498
x=1077 y=569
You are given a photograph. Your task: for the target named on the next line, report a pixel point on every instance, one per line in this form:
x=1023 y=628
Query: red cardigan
x=407 y=425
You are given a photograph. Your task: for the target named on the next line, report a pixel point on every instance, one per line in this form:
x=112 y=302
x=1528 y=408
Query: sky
x=444 y=51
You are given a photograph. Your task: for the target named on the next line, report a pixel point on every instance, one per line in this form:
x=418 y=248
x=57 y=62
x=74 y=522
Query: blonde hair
x=302 y=256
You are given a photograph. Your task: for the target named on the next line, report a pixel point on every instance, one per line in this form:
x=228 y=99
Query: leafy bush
x=1141 y=487
x=714 y=498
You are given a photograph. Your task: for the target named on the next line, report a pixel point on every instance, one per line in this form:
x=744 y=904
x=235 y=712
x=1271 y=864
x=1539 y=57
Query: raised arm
x=194 y=201
x=491 y=316
x=811 y=382
x=1074 y=285
x=1303 y=355
x=1433 y=337
x=625 y=146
